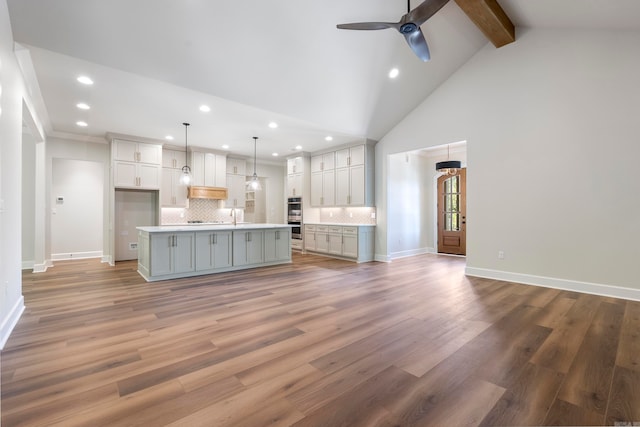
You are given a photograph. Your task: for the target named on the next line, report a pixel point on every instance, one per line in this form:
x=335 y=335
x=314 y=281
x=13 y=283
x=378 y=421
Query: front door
x=452 y=207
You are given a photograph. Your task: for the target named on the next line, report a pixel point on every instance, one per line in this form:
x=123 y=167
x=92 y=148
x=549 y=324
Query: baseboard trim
x=11 y=321
x=382 y=258
x=76 y=255
x=28 y=265
x=551 y=282
x=410 y=253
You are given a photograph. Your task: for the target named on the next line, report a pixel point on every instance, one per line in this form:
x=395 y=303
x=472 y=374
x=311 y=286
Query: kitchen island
x=175 y=251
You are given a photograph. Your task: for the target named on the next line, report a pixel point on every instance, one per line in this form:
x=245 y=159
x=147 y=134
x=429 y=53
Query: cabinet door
x=342 y=186
x=149 y=176
x=173 y=159
x=240 y=248
x=322 y=242
x=150 y=153
x=161 y=253
x=276 y=245
x=329 y=188
x=221 y=171
x=335 y=244
x=125 y=150
x=350 y=245
x=316 y=164
x=356 y=186
x=210 y=170
x=294 y=185
x=124 y=174
x=213 y=250
x=255 y=247
x=356 y=155
x=236 y=166
x=342 y=158
x=197 y=168
x=184 y=253
x=294 y=165
x=166 y=190
x=316 y=189
x=310 y=240
x=236 y=193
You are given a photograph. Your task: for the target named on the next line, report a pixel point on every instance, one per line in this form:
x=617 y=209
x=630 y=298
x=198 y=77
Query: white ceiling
x=154 y=62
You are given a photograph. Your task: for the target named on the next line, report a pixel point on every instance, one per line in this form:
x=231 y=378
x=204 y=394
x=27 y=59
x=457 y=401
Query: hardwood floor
x=320 y=342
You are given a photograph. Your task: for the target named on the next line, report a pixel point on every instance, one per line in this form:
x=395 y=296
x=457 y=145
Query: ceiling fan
x=409 y=25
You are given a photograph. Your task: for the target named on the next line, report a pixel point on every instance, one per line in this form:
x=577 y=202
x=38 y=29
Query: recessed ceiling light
x=85 y=80
x=82 y=124
x=83 y=106
x=225 y=146
x=205 y=108
x=394 y=73
x=329 y=138
x=298 y=147
x=273 y=125
x=169 y=138
x=274 y=154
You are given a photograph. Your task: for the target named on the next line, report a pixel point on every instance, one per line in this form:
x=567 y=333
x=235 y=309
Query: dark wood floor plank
x=316 y=342
x=588 y=382
x=624 y=402
x=629 y=348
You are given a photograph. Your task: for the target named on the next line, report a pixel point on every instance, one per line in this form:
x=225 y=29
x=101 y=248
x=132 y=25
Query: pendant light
x=254 y=183
x=186 y=170
x=450 y=167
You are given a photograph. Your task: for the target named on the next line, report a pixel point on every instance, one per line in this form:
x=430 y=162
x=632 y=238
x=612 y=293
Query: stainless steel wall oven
x=294 y=218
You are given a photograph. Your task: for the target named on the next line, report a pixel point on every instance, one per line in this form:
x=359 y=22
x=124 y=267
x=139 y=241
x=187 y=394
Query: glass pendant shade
x=254 y=183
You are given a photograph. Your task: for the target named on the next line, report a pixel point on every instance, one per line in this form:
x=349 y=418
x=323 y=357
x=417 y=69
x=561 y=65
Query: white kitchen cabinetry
x=277 y=245
x=323 y=188
x=354 y=243
x=173 y=191
x=208 y=169
x=343 y=177
x=248 y=247
x=173 y=159
x=296 y=176
x=236 y=183
x=236 y=166
x=172 y=253
x=213 y=250
x=138 y=152
x=136 y=165
x=310 y=238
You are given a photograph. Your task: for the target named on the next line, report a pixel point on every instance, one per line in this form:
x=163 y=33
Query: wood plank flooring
x=320 y=342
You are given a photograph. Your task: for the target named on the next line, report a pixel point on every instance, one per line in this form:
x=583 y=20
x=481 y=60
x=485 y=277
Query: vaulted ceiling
x=155 y=62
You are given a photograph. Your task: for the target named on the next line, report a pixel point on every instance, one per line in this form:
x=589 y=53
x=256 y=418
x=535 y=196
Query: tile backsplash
x=204 y=210
x=348 y=215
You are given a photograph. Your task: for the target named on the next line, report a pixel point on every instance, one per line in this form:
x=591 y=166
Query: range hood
x=214 y=193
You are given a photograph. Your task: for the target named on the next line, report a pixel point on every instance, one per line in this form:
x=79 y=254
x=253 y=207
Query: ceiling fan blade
x=368 y=26
x=418 y=44
x=426 y=10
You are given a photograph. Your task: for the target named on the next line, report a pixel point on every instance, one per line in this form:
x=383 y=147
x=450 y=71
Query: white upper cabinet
x=137 y=152
x=295 y=165
x=136 y=164
x=236 y=166
x=343 y=177
x=173 y=159
x=208 y=169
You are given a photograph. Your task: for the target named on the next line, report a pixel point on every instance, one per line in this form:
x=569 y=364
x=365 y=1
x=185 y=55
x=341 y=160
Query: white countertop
x=209 y=227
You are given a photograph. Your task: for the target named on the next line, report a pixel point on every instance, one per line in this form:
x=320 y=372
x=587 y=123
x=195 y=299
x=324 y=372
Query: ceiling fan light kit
x=409 y=25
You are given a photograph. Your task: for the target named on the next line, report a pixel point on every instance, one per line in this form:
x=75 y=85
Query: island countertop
x=208 y=227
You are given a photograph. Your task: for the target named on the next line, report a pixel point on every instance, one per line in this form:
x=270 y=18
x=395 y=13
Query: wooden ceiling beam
x=491 y=19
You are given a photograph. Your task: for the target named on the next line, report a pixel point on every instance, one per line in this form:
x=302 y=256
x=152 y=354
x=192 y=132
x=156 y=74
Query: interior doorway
x=133 y=209
x=452 y=213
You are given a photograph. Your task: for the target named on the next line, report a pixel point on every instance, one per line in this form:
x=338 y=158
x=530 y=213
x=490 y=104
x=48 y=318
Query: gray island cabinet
x=170 y=252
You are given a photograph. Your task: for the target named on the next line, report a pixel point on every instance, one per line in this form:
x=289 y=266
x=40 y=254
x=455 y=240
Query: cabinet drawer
x=349 y=230
x=310 y=227
x=323 y=228
x=335 y=229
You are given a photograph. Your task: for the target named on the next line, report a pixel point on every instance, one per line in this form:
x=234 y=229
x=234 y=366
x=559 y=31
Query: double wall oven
x=294 y=218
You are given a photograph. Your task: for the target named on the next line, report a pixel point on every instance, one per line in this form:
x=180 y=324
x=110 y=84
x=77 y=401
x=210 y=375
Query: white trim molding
x=411 y=252
x=11 y=321
x=77 y=255
x=551 y=282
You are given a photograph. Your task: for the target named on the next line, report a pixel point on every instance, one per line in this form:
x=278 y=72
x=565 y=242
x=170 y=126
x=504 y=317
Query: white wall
x=77 y=220
x=28 y=201
x=89 y=158
x=11 y=99
x=552 y=137
x=275 y=200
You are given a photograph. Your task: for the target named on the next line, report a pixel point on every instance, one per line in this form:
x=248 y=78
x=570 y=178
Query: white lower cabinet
x=248 y=247
x=348 y=242
x=277 y=245
x=172 y=253
x=213 y=250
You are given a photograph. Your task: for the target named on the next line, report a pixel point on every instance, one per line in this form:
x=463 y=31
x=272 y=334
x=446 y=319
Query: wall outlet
x=500 y=254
